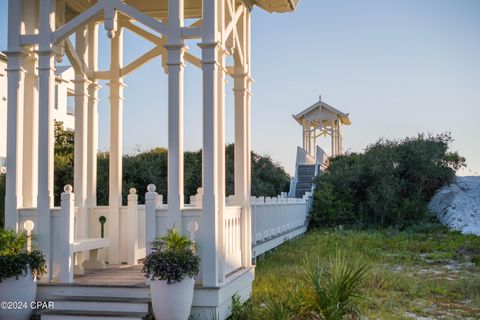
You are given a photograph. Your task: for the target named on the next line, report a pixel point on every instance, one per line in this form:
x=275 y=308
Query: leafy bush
x=389 y=184
x=173 y=258
x=15 y=261
x=335 y=286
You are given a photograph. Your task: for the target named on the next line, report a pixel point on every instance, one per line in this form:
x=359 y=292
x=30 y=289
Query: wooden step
x=90 y=315
x=82 y=303
x=62 y=290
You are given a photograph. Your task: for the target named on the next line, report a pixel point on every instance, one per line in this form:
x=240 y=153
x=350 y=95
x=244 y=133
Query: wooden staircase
x=306 y=176
x=119 y=293
x=79 y=302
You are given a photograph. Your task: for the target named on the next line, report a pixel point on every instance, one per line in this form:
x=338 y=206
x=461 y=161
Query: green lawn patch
x=410 y=275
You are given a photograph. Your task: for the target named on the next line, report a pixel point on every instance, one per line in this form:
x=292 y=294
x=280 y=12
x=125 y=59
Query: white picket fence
x=273 y=222
x=277 y=220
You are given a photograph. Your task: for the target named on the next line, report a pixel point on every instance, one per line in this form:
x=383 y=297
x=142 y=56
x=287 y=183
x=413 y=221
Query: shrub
x=389 y=184
x=15 y=261
x=173 y=258
x=335 y=286
x=284 y=307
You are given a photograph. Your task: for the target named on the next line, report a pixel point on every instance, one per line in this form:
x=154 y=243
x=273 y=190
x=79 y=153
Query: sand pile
x=458 y=205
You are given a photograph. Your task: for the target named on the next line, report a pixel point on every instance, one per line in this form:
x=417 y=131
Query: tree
x=139 y=170
x=63 y=160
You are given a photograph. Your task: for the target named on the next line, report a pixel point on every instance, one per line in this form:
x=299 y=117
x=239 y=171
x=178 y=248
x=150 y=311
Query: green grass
x=426 y=272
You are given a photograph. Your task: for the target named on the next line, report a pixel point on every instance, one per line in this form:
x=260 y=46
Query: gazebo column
x=248 y=189
x=30 y=142
x=242 y=159
x=92 y=118
x=210 y=199
x=247 y=251
x=210 y=165
x=221 y=157
x=81 y=137
x=116 y=141
x=46 y=139
x=13 y=196
x=175 y=63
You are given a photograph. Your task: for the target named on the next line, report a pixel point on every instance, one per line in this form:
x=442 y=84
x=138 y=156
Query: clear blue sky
x=399 y=67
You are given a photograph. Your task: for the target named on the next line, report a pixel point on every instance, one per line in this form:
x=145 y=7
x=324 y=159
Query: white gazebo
x=41 y=33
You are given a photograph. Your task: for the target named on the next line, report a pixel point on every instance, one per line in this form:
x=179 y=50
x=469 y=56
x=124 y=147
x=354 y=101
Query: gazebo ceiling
x=193 y=8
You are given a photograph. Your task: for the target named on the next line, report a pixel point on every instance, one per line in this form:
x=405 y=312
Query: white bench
x=92 y=245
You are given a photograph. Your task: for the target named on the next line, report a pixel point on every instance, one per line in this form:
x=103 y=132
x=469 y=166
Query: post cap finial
x=68 y=188
x=151 y=187
x=132 y=191
x=28 y=225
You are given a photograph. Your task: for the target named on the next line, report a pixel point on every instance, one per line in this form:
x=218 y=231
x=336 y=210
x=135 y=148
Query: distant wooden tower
x=317 y=120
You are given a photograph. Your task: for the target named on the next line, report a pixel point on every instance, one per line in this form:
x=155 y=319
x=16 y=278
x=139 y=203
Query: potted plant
x=171 y=267
x=19 y=270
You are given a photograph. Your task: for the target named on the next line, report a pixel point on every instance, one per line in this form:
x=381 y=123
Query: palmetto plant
x=282 y=308
x=335 y=285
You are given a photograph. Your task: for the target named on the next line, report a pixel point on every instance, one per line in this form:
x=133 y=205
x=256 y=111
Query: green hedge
x=139 y=170
x=388 y=185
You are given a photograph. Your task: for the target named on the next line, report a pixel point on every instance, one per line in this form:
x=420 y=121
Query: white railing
x=276 y=220
x=232 y=239
x=272 y=217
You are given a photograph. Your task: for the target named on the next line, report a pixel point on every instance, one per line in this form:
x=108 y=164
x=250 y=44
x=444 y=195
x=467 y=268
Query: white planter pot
x=18 y=295
x=172 y=301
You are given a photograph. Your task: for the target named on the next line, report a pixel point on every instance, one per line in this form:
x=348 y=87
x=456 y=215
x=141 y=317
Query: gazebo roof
x=322 y=112
x=193 y=8
x=279 y=6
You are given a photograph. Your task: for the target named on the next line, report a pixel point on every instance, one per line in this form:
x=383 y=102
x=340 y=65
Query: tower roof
x=322 y=112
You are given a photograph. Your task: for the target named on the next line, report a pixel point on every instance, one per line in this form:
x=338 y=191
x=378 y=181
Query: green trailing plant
x=335 y=286
x=15 y=261
x=173 y=258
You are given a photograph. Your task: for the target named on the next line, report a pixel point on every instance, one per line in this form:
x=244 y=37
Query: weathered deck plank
x=117 y=275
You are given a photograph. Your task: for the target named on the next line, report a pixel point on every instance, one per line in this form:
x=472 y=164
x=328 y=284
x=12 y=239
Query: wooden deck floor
x=118 y=275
